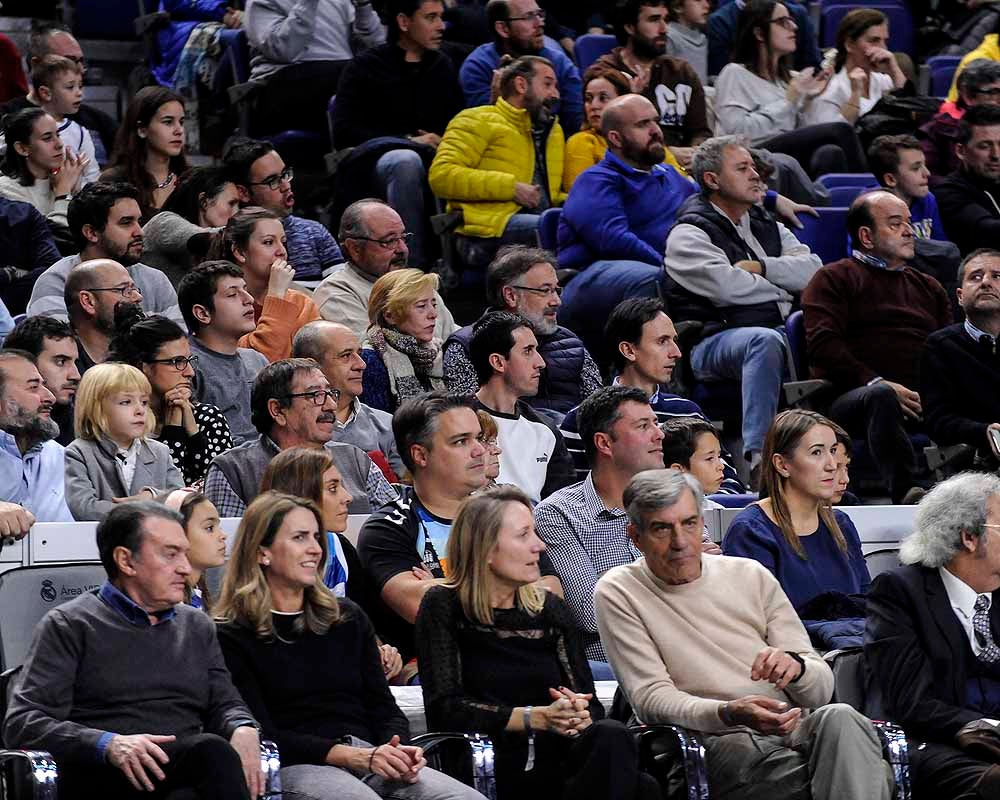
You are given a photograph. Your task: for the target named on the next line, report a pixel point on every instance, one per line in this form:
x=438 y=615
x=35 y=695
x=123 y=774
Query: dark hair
x=30 y=334
x=274 y=382
x=237 y=232
x=627 y=13
x=979 y=252
x=853 y=25
x=124 y=527
x=613 y=76
x=240 y=157
x=883 y=155
x=511 y=263
x=137 y=338
x=17 y=128
x=497 y=11
x=38 y=39
x=756 y=16
x=523 y=67
x=129 y=156
x=198 y=287
x=6 y=354
x=494 y=333
x=977 y=74
x=859 y=216
x=186 y=198
x=415 y=421
x=92 y=205
x=625 y=324
x=388 y=10
x=680 y=436
x=982 y=115
x=599 y=413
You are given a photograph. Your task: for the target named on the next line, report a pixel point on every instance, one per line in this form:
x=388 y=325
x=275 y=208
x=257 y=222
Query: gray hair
x=708 y=156
x=352 y=221
x=977 y=74
x=308 y=341
x=953 y=507
x=653 y=489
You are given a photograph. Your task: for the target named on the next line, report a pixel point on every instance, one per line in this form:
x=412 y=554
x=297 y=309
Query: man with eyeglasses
x=263 y=179
x=518 y=28
x=292 y=405
x=104 y=221
x=375 y=242
x=523 y=280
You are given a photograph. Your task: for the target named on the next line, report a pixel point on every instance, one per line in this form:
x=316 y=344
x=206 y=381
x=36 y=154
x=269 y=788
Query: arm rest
x=674 y=756
x=897 y=753
x=940 y=457
x=465 y=757
x=36 y=777
x=270 y=764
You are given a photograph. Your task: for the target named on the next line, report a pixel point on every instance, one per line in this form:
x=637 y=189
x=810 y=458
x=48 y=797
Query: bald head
x=99 y=273
x=879 y=224
x=631 y=124
x=337 y=350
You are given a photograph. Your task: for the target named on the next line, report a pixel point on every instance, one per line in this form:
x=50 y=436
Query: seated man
x=501 y=165
x=218 y=311
x=867 y=319
x=722 y=30
x=338 y=352
x=517 y=28
x=960 y=372
x=375 y=242
x=898 y=165
x=969 y=211
x=418 y=93
x=745 y=676
x=104 y=220
x=670 y=83
x=55 y=351
x=732 y=267
x=94 y=291
x=644 y=351
x=584 y=525
x=292 y=405
x=930 y=643
x=29 y=250
x=126 y=687
x=504 y=353
x=262 y=179
x=32 y=463
x=523 y=280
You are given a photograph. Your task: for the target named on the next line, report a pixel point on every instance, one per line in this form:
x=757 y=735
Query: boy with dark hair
x=900 y=166
x=692 y=445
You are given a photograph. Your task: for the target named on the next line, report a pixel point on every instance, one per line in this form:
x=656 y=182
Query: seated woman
x=308 y=667
x=113 y=460
x=489 y=436
x=501 y=657
x=865 y=69
x=195 y=432
x=756 y=94
x=179 y=236
x=206 y=537
x=254 y=240
x=402 y=355
x=149 y=147
x=813 y=550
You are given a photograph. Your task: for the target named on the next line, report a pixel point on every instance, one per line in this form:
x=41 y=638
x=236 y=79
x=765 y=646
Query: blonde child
x=112 y=460
x=58 y=85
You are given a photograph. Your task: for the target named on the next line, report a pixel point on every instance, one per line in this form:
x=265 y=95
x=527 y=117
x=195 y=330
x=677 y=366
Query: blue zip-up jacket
x=170 y=40
x=619 y=213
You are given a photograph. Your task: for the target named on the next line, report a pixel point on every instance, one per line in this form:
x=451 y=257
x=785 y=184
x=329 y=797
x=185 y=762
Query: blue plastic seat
x=943 y=70
x=845 y=195
x=591 y=46
x=547 y=228
x=825 y=235
x=833 y=179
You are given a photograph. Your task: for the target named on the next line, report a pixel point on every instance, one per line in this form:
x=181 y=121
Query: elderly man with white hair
x=931 y=644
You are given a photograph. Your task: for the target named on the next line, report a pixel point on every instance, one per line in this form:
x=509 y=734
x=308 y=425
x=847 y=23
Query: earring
x=266 y=562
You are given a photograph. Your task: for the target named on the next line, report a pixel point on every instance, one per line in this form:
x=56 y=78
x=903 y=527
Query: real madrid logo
x=48 y=591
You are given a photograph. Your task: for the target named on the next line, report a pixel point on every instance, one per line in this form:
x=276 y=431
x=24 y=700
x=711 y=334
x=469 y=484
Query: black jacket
x=970 y=210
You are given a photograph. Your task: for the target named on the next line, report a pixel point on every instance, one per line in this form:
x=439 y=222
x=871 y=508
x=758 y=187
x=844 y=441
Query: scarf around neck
x=410 y=364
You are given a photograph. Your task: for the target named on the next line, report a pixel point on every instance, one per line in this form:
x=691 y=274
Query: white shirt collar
x=961 y=596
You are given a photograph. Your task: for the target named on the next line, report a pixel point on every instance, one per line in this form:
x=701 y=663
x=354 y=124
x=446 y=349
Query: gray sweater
x=90 y=671
x=165 y=246
x=225 y=382
x=691 y=44
x=746 y=103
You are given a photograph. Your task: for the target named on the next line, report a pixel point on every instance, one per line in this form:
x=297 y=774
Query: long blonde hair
x=473 y=537
x=246 y=594
x=90 y=419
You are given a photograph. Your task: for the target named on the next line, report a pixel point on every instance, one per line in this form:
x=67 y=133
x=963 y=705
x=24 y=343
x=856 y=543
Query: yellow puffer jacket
x=988 y=48
x=483 y=153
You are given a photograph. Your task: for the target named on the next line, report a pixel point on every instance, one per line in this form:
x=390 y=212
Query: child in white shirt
x=58 y=85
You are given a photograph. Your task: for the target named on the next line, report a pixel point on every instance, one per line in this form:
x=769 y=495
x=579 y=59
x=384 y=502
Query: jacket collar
x=518 y=117
x=948 y=624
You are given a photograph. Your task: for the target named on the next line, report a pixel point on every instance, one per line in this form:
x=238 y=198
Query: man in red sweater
x=867 y=318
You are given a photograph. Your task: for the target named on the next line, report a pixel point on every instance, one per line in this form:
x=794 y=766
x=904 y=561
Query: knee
x=614 y=735
x=881 y=396
x=401 y=163
x=214 y=753
x=766 y=341
x=836 y=719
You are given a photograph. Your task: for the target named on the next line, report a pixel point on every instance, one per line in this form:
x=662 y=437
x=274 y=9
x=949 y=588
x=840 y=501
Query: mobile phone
x=995 y=438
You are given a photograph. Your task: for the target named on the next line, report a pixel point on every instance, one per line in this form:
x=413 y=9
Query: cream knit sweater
x=680 y=652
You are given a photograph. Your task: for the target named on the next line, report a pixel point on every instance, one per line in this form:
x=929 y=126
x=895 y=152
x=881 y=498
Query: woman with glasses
x=194 y=432
x=254 y=240
x=489 y=437
x=757 y=94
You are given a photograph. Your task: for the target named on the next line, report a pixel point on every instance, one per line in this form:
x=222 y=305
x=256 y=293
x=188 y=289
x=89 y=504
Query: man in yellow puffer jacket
x=501 y=165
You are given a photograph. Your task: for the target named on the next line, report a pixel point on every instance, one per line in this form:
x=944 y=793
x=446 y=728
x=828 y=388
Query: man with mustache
x=32 y=463
x=104 y=221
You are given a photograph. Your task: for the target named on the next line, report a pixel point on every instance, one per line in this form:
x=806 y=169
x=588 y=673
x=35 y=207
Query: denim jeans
x=756 y=358
x=403 y=179
x=477 y=252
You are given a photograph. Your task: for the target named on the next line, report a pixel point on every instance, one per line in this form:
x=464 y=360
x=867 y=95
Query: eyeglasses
x=318 y=397
x=387 y=244
x=274 y=181
x=545 y=291
x=785 y=22
x=124 y=291
x=179 y=363
x=531 y=16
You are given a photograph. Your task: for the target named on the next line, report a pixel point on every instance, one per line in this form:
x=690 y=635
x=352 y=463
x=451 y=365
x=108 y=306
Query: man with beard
x=104 y=221
x=671 y=84
x=501 y=165
x=969 y=198
x=94 y=289
x=523 y=280
x=517 y=27
x=32 y=464
x=375 y=242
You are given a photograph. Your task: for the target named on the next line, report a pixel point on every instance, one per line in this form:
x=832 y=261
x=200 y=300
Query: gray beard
x=34 y=430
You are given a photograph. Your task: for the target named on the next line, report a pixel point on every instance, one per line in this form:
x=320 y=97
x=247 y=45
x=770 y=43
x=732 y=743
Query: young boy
x=692 y=445
x=899 y=165
x=58 y=85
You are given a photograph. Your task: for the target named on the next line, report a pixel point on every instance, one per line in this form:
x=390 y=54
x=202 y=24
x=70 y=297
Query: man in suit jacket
x=932 y=643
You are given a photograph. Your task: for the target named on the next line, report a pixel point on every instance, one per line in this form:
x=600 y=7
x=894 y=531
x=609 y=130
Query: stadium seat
x=843 y=196
x=901 y=28
x=547 y=228
x=591 y=46
x=879 y=561
x=826 y=234
x=733 y=500
x=834 y=179
x=942 y=74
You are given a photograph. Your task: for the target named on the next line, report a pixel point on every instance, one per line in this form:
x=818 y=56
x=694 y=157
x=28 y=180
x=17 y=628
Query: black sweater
x=311 y=692
x=970 y=210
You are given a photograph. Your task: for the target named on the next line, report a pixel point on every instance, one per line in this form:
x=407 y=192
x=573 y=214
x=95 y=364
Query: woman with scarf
x=402 y=355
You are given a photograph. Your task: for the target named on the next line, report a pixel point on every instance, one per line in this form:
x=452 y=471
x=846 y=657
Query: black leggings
x=820 y=149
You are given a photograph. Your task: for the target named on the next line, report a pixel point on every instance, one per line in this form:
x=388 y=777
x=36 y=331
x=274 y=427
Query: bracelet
x=529 y=764
x=725 y=715
x=371 y=758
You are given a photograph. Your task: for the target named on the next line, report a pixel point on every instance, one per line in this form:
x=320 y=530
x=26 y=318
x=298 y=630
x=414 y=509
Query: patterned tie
x=990 y=653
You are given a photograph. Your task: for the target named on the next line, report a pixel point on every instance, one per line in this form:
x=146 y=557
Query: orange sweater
x=277 y=322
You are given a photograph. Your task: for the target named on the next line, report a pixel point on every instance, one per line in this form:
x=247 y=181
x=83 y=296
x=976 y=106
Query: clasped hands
x=767 y=715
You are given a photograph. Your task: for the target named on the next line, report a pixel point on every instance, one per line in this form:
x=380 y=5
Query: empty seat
x=591 y=46
x=826 y=235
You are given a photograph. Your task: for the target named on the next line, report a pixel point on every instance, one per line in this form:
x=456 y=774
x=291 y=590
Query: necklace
x=166 y=181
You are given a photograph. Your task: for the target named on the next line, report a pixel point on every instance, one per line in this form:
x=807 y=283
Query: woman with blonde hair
x=113 y=460
x=489 y=437
x=401 y=353
x=500 y=656
x=308 y=667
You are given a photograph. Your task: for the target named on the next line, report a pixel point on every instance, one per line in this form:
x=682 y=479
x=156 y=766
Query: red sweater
x=863 y=322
